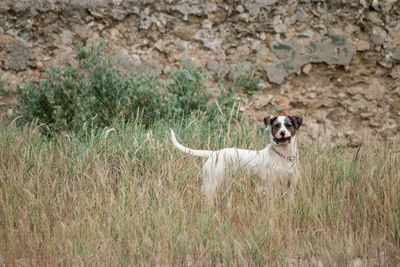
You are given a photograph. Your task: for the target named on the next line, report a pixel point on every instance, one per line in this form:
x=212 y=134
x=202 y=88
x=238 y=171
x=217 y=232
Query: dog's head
x=283 y=128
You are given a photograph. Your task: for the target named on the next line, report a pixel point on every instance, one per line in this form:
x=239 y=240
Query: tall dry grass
x=127 y=197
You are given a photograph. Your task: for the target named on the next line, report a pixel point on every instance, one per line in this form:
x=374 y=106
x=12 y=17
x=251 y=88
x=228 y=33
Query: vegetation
x=108 y=187
x=125 y=196
x=187 y=91
x=95 y=93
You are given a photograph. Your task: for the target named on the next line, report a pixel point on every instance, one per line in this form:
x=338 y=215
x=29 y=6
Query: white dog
x=278 y=160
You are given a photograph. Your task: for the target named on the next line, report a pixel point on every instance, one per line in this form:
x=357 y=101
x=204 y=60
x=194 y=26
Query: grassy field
x=125 y=196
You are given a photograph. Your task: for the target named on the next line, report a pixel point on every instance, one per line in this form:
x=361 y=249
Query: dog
x=278 y=160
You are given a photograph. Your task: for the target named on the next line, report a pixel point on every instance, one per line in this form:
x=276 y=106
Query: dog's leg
x=213 y=173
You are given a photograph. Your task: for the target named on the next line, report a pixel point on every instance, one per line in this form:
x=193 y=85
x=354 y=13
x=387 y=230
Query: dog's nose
x=283 y=133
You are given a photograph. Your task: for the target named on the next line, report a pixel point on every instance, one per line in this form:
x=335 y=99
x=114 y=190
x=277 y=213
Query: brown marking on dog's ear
x=297 y=121
x=290 y=124
x=268 y=120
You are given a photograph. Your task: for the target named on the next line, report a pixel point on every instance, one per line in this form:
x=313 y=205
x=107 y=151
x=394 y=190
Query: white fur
x=266 y=163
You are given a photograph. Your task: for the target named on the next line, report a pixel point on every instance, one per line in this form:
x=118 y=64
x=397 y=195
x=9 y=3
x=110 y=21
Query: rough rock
x=374 y=17
x=379 y=35
x=307 y=68
x=363 y=45
x=213 y=65
x=375 y=90
x=341 y=91
x=256 y=8
x=14 y=53
x=396 y=53
x=185 y=32
x=67 y=37
x=291 y=56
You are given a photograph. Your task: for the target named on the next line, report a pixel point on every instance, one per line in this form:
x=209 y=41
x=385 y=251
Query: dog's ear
x=268 y=120
x=297 y=121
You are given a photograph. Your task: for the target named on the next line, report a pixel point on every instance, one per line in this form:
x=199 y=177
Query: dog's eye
x=288 y=126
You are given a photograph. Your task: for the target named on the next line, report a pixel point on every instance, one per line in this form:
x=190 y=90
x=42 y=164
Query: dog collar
x=289 y=158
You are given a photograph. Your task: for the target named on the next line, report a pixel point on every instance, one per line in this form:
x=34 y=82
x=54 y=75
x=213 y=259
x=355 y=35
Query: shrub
x=112 y=95
x=94 y=93
x=187 y=91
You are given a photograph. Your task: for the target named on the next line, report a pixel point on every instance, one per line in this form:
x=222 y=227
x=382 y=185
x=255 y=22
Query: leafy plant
x=92 y=94
x=187 y=91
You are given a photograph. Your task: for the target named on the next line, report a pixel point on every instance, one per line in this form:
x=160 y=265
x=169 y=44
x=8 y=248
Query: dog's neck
x=286 y=150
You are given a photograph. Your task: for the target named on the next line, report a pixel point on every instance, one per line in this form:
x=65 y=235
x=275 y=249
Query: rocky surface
x=334 y=62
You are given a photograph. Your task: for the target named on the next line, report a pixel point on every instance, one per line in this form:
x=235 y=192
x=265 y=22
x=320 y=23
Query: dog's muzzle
x=283 y=140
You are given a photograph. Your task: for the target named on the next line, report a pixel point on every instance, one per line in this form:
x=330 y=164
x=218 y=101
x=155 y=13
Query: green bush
x=187 y=91
x=94 y=94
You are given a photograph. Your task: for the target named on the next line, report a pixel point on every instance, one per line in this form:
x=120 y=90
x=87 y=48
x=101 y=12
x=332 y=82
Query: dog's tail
x=198 y=153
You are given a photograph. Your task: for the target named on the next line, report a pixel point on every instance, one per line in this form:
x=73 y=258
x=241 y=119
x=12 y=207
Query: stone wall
x=334 y=62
